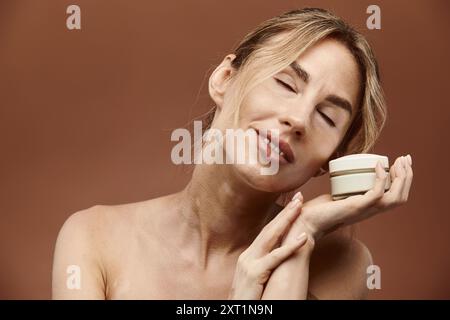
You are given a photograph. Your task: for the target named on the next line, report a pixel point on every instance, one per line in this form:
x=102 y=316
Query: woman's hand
x=322 y=215
x=257 y=262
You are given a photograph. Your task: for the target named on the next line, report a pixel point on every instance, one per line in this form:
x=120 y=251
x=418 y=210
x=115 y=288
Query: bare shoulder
x=86 y=241
x=85 y=223
x=339 y=268
x=87 y=226
x=77 y=270
x=109 y=220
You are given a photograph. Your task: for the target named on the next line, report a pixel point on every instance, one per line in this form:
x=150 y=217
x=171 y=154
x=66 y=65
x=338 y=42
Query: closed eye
x=285 y=85
x=327 y=119
x=288 y=87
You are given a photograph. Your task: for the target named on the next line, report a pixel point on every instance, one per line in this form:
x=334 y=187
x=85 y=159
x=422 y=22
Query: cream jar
x=355 y=174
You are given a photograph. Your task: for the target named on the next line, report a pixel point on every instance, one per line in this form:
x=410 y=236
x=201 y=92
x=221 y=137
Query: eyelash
x=288 y=87
x=327 y=119
x=285 y=85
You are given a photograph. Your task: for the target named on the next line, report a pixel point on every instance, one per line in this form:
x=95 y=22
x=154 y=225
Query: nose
x=295 y=125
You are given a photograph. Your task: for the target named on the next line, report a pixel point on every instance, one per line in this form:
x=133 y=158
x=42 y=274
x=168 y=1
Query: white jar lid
x=357 y=161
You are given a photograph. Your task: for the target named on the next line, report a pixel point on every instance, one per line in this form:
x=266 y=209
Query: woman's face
x=311 y=103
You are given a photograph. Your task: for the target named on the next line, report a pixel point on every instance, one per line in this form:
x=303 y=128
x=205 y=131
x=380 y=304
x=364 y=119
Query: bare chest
x=145 y=272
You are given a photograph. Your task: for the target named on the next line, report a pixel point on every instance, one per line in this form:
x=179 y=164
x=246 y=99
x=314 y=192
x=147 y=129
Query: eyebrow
x=299 y=71
x=340 y=102
x=334 y=99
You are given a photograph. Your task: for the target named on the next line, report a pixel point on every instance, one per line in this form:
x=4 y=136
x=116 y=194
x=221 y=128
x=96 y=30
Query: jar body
x=355 y=174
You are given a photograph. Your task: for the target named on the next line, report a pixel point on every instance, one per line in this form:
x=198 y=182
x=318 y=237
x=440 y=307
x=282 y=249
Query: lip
x=284 y=147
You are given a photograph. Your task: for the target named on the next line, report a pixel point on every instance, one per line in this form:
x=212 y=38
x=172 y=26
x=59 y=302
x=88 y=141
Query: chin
x=276 y=183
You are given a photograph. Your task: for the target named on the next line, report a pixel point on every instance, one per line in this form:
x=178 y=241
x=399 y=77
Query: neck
x=220 y=213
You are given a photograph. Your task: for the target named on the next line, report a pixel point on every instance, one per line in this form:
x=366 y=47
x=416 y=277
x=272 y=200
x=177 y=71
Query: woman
x=308 y=75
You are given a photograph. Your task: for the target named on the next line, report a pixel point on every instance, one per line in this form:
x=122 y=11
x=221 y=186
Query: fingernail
x=294 y=203
x=405 y=162
x=409 y=159
x=301 y=236
x=298 y=195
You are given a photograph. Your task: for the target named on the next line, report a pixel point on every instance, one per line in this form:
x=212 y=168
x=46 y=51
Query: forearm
x=289 y=281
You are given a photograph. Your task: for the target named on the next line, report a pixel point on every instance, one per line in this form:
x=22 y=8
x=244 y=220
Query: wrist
x=288 y=270
x=309 y=244
x=305 y=250
x=303 y=224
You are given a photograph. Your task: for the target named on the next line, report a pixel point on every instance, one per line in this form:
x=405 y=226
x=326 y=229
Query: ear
x=219 y=80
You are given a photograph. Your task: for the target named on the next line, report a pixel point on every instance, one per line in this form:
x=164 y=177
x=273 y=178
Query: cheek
x=258 y=103
x=324 y=146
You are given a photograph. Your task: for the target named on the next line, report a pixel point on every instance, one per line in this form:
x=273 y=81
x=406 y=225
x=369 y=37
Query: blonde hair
x=262 y=53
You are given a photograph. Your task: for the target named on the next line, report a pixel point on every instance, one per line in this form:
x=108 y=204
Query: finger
x=394 y=194
x=409 y=177
x=359 y=207
x=278 y=255
x=274 y=230
x=355 y=204
x=380 y=200
x=377 y=190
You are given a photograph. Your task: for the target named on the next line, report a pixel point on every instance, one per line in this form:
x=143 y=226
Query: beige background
x=86 y=118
